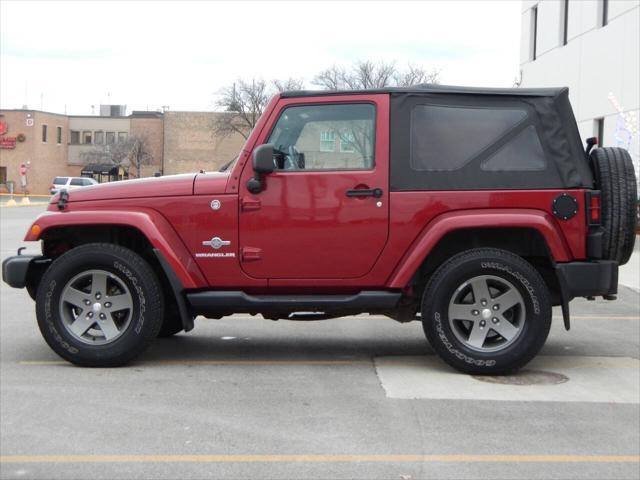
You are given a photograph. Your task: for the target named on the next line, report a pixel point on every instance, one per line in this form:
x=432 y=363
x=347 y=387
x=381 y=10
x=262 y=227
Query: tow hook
x=21 y=249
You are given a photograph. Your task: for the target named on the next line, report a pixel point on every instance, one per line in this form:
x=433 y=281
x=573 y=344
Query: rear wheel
x=99 y=305
x=486 y=311
x=616 y=180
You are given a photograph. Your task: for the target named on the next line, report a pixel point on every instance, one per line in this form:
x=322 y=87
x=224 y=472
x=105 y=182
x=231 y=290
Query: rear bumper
x=588 y=279
x=16 y=269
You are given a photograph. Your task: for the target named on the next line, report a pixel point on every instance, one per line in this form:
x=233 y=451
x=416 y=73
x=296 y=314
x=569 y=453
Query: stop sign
x=23 y=169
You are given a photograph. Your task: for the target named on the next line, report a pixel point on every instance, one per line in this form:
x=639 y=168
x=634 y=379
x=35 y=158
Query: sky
x=67 y=56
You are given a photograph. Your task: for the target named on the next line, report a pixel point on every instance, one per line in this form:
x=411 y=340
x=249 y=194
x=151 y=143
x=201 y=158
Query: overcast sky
x=57 y=55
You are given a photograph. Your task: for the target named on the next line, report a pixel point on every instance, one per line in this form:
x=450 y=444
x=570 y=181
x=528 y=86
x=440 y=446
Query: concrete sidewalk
x=629 y=274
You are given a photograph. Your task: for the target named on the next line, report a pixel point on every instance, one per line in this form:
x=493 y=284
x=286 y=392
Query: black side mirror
x=262 y=165
x=263 y=159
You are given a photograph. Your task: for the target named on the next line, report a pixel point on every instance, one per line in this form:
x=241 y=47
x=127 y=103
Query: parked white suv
x=70 y=183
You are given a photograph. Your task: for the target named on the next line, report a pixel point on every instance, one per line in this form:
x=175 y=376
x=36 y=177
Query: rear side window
x=77 y=182
x=446 y=138
x=520 y=154
x=60 y=180
x=87 y=181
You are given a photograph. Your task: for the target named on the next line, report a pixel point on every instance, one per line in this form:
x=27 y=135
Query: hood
x=171 y=185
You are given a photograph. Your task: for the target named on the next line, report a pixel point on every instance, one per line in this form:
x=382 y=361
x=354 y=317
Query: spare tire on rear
x=616 y=180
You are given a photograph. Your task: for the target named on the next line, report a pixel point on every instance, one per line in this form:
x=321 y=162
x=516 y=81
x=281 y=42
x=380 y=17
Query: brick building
x=190 y=144
x=38 y=140
x=66 y=145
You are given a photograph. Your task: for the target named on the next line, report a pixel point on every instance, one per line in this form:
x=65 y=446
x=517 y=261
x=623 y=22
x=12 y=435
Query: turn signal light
x=35 y=230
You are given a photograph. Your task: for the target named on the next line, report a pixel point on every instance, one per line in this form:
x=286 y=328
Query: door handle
x=365 y=192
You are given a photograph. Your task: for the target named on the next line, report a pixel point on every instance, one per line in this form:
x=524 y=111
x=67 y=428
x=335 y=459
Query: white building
x=592 y=47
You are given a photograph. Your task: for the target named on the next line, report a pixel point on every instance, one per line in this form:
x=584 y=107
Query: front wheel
x=99 y=305
x=486 y=312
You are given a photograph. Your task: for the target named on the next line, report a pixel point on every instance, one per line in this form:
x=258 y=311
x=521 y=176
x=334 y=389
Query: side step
x=216 y=303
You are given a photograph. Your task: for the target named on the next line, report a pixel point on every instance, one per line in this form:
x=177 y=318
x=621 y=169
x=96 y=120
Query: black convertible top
x=466 y=138
x=434 y=88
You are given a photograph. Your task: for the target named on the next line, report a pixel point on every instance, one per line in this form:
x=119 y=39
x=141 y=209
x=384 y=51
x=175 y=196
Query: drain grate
x=525 y=377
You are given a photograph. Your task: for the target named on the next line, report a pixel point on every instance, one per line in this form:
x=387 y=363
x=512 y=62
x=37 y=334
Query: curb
x=15 y=205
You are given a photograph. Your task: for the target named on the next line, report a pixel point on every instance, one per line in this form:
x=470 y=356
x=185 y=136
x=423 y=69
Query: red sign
x=4 y=128
x=7 y=142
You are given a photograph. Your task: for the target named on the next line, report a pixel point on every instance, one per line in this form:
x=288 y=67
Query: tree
x=367 y=74
x=243 y=104
x=133 y=152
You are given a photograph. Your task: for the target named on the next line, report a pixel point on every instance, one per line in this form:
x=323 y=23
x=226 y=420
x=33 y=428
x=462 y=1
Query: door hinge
x=250 y=253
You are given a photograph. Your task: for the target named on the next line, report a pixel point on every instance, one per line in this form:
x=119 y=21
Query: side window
x=86 y=182
x=325 y=137
x=446 y=138
x=77 y=181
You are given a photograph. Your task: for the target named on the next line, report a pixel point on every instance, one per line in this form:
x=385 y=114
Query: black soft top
x=466 y=138
x=434 y=88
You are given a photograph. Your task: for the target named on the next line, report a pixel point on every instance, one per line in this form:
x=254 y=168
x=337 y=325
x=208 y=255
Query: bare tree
x=243 y=104
x=133 y=152
x=368 y=74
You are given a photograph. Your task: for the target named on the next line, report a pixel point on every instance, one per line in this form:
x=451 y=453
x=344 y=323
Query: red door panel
x=303 y=225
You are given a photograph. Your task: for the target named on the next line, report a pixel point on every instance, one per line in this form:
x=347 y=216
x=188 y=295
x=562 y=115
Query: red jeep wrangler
x=470 y=210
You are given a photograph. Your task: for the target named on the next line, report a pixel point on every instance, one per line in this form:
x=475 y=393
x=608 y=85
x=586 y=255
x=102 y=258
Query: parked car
x=473 y=211
x=70 y=183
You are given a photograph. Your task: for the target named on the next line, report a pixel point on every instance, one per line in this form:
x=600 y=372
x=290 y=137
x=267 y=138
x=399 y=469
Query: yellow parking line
x=20 y=195
x=318 y=458
x=220 y=362
x=602 y=317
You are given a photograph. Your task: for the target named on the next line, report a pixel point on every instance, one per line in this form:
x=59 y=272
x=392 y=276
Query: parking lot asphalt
x=360 y=397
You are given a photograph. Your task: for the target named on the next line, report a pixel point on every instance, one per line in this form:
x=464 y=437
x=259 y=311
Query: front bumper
x=15 y=270
x=588 y=279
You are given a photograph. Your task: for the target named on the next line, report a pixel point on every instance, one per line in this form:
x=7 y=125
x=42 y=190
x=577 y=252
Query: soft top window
x=485 y=141
x=445 y=138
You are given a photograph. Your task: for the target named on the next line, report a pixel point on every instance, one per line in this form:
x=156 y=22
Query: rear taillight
x=593 y=207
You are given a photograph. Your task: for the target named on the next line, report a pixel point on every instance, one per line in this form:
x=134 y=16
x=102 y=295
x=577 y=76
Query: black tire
x=121 y=265
x=616 y=180
x=534 y=311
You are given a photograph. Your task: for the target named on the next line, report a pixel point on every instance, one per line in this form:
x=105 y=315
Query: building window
x=122 y=137
x=59 y=135
x=110 y=138
x=598 y=130
x=75 y=137
x=565 y=22
x=603 y=13
x=44 y=133
x=327 y=141
x=98 y=137
x=534 y=31
x=87 y=138
x=347 y=140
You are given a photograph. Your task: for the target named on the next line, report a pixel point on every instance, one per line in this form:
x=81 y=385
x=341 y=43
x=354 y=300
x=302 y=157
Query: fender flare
x=445 y=223
x=155 y=227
